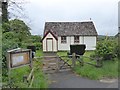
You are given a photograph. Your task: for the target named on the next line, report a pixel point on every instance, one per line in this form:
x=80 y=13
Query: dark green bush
x=38 y=45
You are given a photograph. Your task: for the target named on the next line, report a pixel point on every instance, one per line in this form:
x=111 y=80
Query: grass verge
x=108 y=70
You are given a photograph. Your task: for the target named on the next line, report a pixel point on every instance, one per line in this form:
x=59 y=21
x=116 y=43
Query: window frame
x=76 y=39
x=63 y=39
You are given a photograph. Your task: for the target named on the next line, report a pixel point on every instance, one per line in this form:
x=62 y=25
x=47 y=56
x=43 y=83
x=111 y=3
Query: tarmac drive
x=68 y=79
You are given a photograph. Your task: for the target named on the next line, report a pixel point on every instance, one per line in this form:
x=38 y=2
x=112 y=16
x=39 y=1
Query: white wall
x=90 y=42
x=54 y=42
x=64 y=46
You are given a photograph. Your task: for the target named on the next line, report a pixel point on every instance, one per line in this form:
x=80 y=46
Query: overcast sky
x=104 y=13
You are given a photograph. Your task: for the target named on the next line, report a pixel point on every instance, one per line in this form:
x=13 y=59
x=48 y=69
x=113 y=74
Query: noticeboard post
x=19 y=58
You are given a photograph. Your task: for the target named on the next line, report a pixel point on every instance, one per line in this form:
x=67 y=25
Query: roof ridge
x=67 y=21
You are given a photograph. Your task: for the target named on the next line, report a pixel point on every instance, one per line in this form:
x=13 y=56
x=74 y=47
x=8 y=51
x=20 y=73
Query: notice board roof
x=17 y=50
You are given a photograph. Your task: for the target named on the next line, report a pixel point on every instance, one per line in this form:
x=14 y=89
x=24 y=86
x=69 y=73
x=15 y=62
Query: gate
x=51 y=64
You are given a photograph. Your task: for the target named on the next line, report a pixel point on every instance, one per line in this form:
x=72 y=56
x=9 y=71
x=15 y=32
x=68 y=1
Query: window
x=76 y=39
x=63 y=39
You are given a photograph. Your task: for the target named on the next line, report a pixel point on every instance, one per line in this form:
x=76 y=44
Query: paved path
x=68 y=79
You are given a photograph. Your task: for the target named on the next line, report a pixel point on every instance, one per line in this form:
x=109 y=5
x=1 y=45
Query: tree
x=36 y=41
x=9 y=9
x=4 y=12
x=36 y=38
x=15 y=31
x=21 y=30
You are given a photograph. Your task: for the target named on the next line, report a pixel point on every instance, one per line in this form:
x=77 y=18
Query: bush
x=117 y=51
x=6 y=45
x=106 y=49
x=38 y=45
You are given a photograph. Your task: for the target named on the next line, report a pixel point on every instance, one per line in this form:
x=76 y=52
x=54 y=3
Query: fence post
x=81 y=61
x=73 y=60
x=31 y=63
x=99 y=62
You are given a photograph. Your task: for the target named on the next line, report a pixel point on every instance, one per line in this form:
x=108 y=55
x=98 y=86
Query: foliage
x=14 y=33
x=36 y=38
x=103 y=37
x=117 y=51
x=105 y=49
x=117 y=47
x=33 y=40
x=36 y=41
x=20 y=29
x=7 y=43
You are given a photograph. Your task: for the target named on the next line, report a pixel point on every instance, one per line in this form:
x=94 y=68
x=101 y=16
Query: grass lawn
x=108 y=70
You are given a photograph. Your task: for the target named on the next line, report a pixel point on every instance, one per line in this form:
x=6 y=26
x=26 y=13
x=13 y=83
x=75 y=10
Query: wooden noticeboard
x=19 y=57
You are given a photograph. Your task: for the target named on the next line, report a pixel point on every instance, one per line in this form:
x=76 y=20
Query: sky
x=104 y=14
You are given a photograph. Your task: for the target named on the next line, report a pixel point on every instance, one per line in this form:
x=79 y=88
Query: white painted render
x=64 y=46
x=49 y=35
x=90 y=42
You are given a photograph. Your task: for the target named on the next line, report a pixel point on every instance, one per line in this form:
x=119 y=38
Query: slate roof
x=71 y=28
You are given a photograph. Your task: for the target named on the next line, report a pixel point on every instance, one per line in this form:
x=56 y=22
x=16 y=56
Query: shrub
x=105 y=49
x=117 y=51
x=6 y=45
x=38 y=45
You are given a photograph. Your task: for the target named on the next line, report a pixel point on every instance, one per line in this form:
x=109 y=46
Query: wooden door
x=49 y=44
